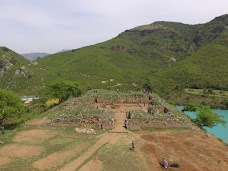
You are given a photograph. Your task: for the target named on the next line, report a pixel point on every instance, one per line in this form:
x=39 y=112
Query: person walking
x=133 y=145
x=125 y=123
x=113 y=122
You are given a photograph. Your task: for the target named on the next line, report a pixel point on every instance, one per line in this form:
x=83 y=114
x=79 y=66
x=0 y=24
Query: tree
x=210 y=91
x=206 y=117
x=63 y=90
x=148 y=86
x=39 y=105
x=10 y=104
x=192 y=107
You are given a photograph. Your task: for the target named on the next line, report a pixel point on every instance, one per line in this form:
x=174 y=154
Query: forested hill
x=168 y=54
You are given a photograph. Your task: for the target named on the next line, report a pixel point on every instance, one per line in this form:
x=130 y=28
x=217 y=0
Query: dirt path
x=80 y=160
x=38 y=121
x=120 y=116
x=119 y=122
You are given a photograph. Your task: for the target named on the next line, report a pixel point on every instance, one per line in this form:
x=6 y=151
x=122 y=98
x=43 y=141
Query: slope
x=13 y=70
x=127 y=59
x=156 y=51
x=205 y=68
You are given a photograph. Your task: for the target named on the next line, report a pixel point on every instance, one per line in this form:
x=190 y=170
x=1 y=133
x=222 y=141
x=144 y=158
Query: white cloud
x=52 y=25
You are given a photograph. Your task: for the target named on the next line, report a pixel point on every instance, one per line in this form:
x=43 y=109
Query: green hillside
x=13 y=70
x=167 y=53
x=205 y=68
x=128 y=59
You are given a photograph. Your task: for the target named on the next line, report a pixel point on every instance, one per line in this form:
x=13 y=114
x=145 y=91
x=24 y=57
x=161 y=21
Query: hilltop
x=173 y=56
x=69 y=137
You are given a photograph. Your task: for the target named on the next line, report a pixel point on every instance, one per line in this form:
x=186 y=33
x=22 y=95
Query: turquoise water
x=219 y=131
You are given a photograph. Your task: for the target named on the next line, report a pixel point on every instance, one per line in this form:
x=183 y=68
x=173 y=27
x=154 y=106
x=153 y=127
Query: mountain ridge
x=135 y=55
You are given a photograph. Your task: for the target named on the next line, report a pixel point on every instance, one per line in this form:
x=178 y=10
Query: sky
x=53 y=25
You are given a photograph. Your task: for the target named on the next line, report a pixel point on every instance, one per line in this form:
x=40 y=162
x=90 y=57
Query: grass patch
x=134 y=131
x=7 y=137
x=150 y=129
x=223 y=141
x=216 y=93
x=65 y=138
x=171 y=129
x=120 y=157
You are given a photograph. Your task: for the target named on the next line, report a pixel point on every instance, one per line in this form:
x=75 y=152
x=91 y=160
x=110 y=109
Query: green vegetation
x=63 y=90
x=12 y=111
x=148 y=86
x=192 y=107
x=209 y=92
x=10 y=105
x=167 y=57
x=13 y=70
x=204 y=115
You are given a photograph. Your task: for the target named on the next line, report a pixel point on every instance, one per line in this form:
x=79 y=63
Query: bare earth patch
x=33 y=136
x=193 y=151
x=94 y=165
x=21 y=151
x=73 y=165
x=4 y=160
x=57 y=158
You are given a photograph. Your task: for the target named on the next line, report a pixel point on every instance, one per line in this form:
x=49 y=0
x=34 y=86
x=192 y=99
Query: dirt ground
x=4 y=160
x=33 y=136
x=95 y=165
x=193 y=151
x=57 y=158
x=21 y=151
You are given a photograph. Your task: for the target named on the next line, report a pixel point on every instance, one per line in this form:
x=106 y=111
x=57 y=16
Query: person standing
x=122 y=111
x=2 y=129
x=165 y=163
x=113 y=122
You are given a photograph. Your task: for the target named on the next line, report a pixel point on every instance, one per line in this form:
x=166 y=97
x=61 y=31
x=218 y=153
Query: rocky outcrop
x=226 y=27
x=23 y=72
x=123 y=49
x=6 y=62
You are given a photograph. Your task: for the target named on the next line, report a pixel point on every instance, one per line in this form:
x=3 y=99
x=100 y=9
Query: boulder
x=166 y=110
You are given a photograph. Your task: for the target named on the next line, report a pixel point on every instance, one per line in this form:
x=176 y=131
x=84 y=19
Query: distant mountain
x=65 y=50
x=34 y=56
